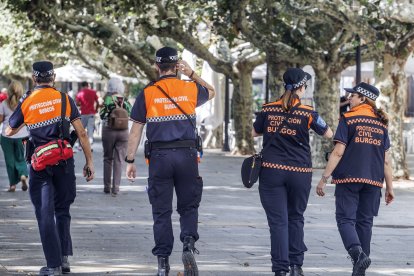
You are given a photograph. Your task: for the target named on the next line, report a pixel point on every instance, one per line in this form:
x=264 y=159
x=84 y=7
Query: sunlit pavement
x=113 y=235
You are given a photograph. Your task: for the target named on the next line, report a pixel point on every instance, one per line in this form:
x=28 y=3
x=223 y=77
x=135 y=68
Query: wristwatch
x=129 y=161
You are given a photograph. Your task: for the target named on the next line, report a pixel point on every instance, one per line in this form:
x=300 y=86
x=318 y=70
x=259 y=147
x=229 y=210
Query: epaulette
x=25 y=95
x=151 y=83
x=278 y=102
x=305 y=106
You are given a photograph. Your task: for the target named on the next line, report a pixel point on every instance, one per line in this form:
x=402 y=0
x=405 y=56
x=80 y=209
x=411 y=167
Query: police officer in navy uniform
x=359 y=164
x=173 y=161
x=286 y=174
x=53 y=189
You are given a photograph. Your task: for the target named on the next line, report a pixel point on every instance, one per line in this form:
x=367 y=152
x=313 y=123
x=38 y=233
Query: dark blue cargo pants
x=52 y=191
x=356 y=206
x=169 y=169
x=284 y=196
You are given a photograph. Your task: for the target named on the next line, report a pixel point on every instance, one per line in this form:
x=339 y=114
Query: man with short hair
x=53 y=188
x=87 y=100
x=173 y=162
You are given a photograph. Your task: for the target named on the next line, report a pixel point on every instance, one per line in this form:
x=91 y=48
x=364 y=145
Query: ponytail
x=15 y=92
x=379 y=112
x=288 y=99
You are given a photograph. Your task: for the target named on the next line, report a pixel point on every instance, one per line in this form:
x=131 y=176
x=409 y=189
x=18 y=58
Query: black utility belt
x=173 y=144
x=149 y=146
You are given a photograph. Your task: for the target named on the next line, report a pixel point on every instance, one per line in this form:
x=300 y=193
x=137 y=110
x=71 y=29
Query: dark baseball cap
x=366 y=90
x=294 y=78
x=43 y=69
x=166 y=55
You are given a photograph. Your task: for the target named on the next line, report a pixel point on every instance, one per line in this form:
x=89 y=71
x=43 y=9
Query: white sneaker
x=50 y=271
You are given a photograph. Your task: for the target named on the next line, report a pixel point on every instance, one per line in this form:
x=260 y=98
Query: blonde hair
x=288 y=98
x=15 y=92
x=378 y=111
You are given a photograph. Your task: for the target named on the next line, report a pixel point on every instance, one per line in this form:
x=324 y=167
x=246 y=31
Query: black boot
x=296 y=270
x=360 y=261
x=190 y=265
x=281 y=273
x=163 y=266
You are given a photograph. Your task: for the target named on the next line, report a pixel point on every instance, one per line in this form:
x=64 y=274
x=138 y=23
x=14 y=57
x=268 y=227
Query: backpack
x=118 y=118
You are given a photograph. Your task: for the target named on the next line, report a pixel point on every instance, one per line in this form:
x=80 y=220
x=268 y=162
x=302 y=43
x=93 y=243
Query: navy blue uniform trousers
x=284 y=196
x=169 y=169
x=52 y=191
x=356 y=206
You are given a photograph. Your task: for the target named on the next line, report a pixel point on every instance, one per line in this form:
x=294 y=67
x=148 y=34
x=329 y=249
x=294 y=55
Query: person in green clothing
x=13 y=146
x=114 y=141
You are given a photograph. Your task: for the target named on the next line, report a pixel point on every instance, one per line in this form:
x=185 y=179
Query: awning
x=76 y=73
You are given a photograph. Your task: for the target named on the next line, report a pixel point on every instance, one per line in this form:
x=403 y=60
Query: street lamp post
x=226 y=146
x=267 y=96
x=358 y=60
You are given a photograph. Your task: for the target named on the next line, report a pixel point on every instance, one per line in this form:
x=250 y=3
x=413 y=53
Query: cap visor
x=350 y=90
x=308 y=76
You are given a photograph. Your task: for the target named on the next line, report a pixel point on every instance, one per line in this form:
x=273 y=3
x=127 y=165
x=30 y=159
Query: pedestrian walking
x=52 y=183
x=114 y=138
x=167 y=106
x=13 y=148
x=359 y=164
x=286 y=174
x=87 y=100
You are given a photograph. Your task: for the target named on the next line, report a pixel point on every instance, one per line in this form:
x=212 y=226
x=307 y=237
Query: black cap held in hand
x=366 y=90
x=294 y=78
x=166 y=55
x=43 y=69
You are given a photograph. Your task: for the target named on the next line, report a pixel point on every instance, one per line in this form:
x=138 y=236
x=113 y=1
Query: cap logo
x=367 y=93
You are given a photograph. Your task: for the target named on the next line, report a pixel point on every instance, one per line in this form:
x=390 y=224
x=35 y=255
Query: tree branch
x=123 y=47
x=172 y=30
x=99 y=67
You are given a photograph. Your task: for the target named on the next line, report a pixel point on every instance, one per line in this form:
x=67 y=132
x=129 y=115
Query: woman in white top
x=13 y=149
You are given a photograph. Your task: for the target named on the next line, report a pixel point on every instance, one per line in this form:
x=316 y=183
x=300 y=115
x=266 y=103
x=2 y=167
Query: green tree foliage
x=283 y=33
x=21 y=43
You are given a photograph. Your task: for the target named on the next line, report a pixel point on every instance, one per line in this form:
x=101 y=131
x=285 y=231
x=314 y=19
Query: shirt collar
x=42 y=86
x=167 y=77
x=361 y=106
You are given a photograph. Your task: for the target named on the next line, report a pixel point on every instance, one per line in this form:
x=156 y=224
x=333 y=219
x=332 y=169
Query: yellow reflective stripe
x=41 y=151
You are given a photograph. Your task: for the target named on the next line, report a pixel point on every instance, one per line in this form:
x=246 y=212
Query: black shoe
x=296 y=270
x=190 y=265
x=360 y=261
x=281 y=273
x=163 y=266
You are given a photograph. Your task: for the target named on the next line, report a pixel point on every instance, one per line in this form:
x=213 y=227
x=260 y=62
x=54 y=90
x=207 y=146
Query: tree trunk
x=243 y=111
x=326 y=98
x=216 y=140
x=275 y=78
x=393 y=85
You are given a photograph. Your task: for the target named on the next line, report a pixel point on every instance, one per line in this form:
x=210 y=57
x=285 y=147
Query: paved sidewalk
x=113 y=236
